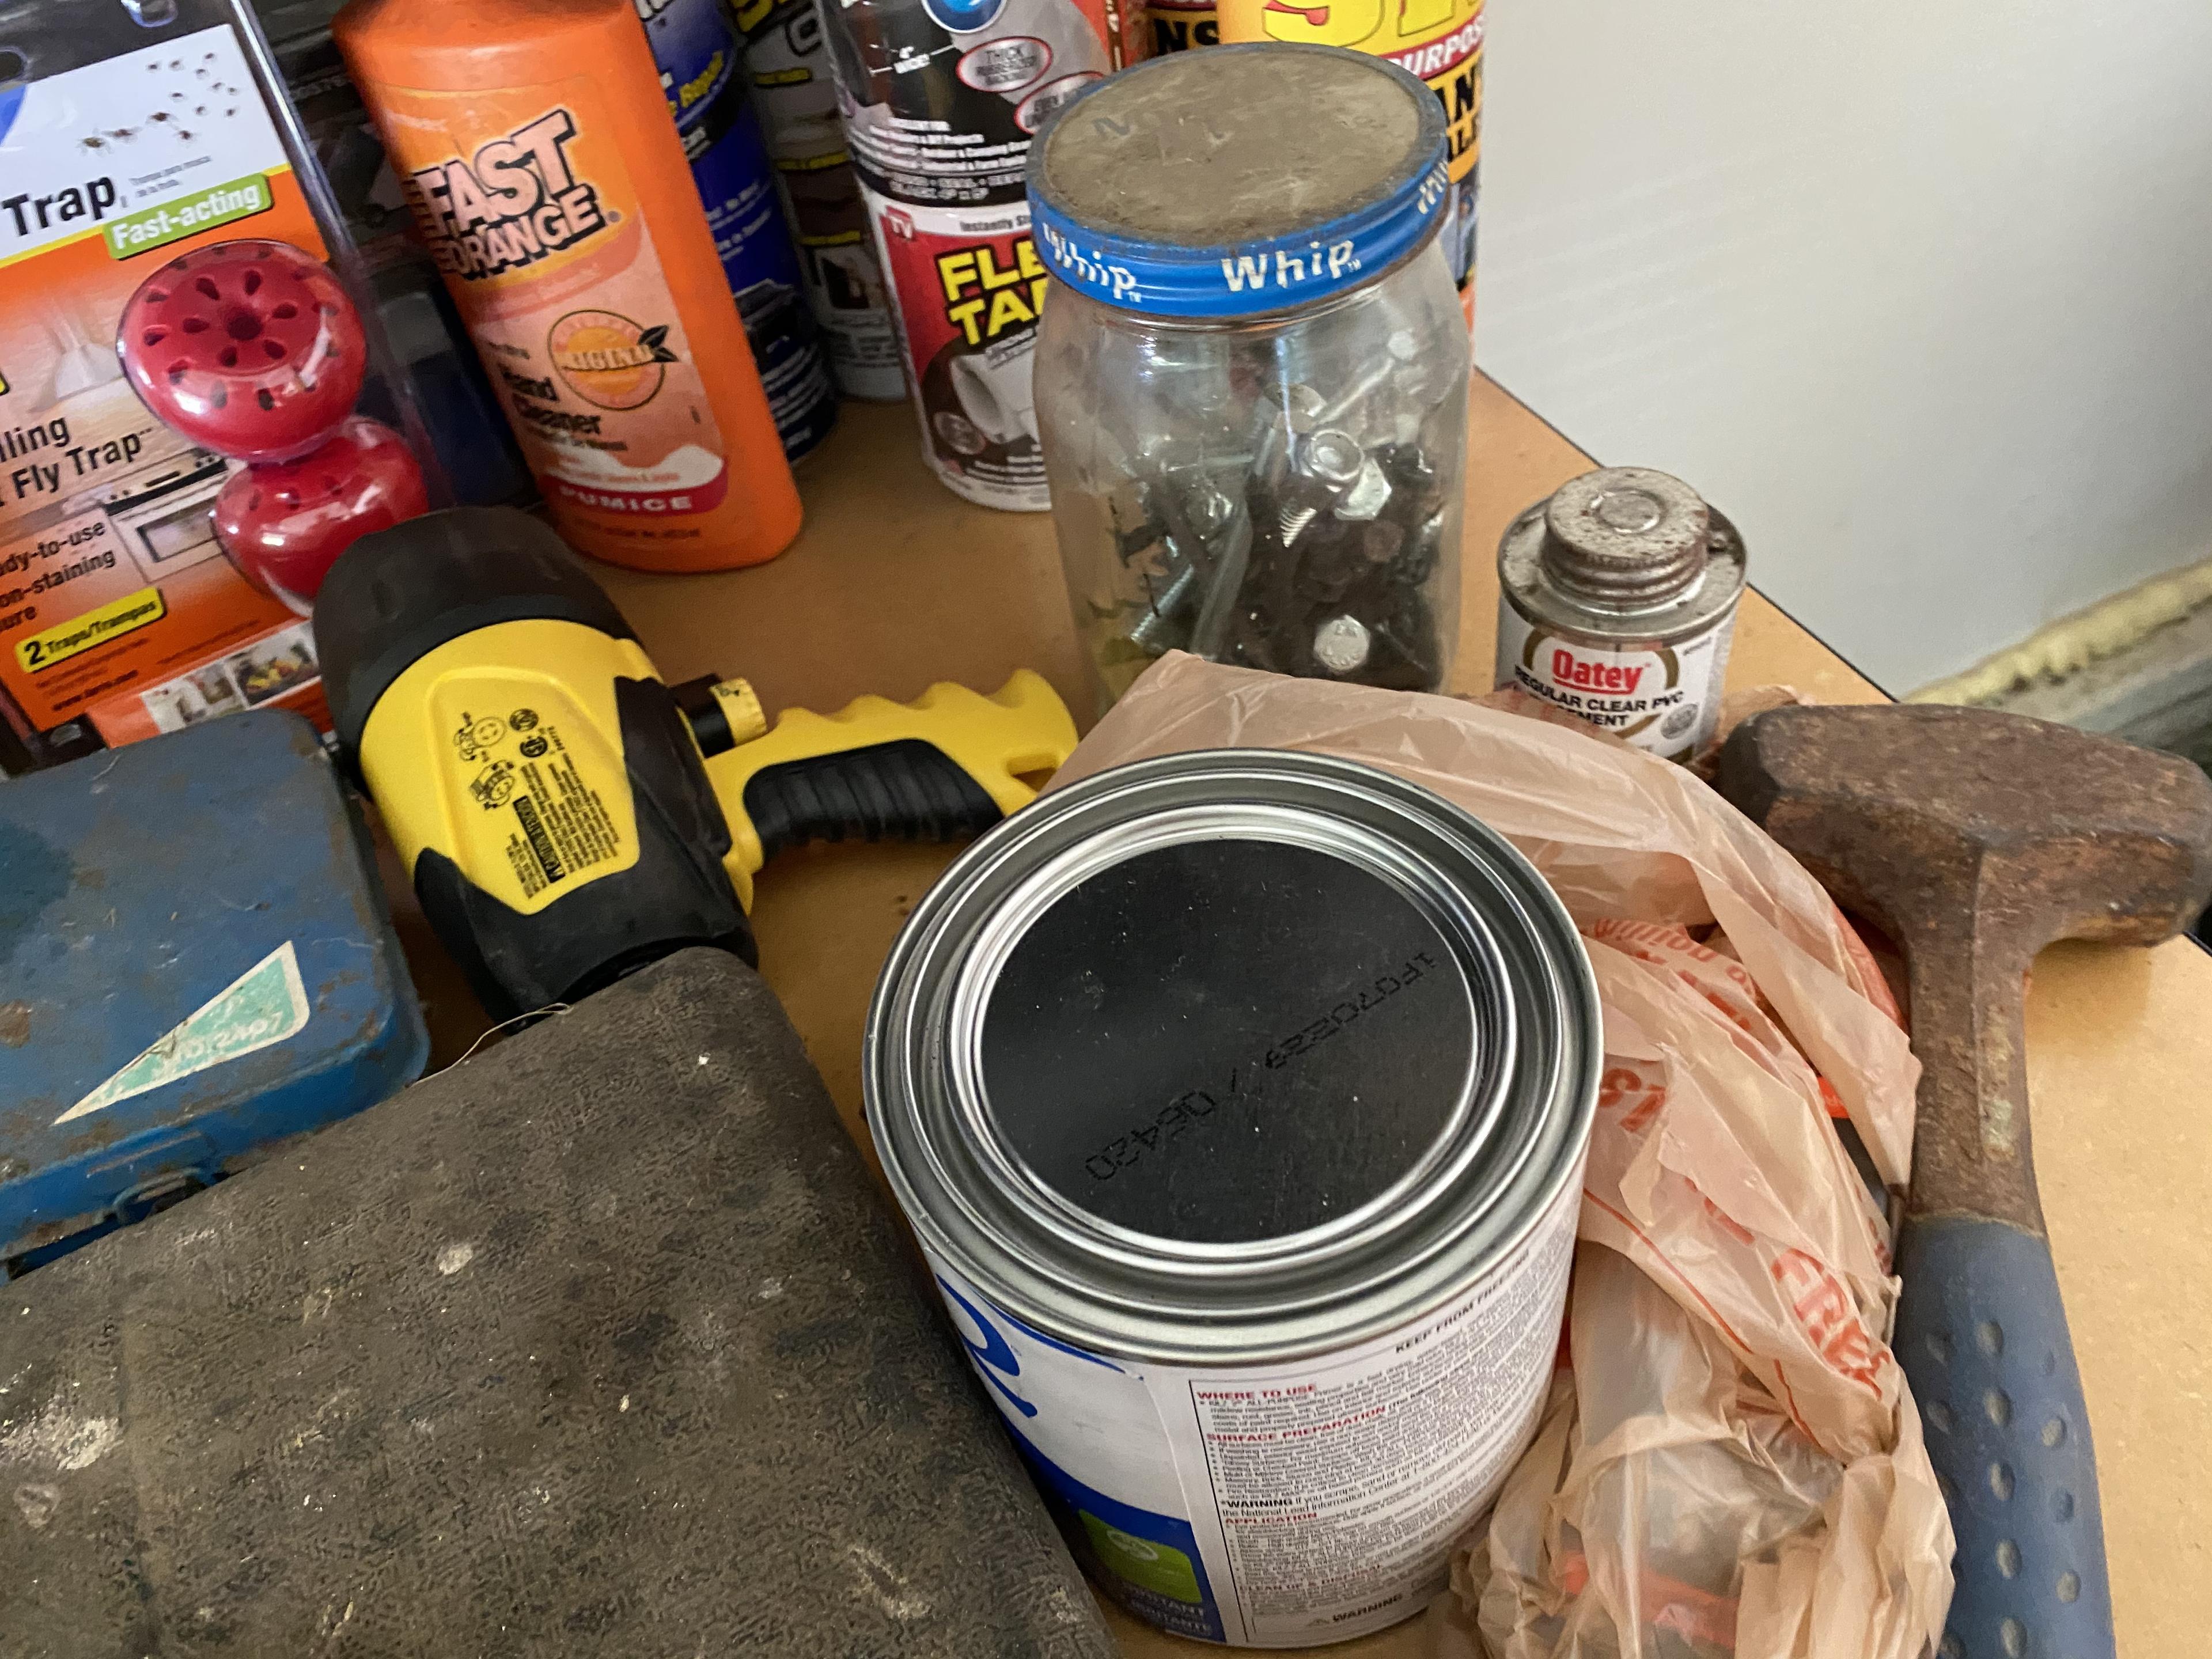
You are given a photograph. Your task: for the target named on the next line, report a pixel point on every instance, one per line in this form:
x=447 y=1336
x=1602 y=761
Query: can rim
x=1513 y=1143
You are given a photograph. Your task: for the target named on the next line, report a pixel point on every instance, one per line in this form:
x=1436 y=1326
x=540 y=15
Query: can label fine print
x=967 y=288
x=1293 y=1504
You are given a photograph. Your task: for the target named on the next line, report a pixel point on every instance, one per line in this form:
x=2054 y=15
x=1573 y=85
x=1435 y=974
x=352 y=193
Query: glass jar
x=1252 y=369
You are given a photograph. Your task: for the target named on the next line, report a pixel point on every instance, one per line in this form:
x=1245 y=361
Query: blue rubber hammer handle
x=1982 y=1336
x=1974 y=839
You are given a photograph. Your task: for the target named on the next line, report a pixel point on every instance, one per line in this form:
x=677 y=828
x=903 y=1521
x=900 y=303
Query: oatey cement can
x=1441 y=42
x=969 y=285
x=1617 y=602
x=787 y=62
x=1240 y=1101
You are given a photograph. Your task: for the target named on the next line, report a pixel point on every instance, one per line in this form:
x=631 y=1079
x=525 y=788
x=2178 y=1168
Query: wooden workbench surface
x=895 y=583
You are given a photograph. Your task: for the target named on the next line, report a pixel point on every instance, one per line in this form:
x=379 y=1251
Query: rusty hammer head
x=1974 y=839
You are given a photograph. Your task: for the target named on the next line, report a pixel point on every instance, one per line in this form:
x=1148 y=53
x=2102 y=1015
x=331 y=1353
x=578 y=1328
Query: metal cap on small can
x=1626 y=535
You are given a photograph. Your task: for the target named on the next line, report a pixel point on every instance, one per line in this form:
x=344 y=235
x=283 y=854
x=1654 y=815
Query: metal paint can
x=1617 y=603
x=1240 y=1101
x=967 y=287
x=796 y=97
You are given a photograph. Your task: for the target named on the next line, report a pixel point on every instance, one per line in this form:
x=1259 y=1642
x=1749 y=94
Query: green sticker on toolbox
x=265 y=1004
x=1145 y=1562
x=218 y=204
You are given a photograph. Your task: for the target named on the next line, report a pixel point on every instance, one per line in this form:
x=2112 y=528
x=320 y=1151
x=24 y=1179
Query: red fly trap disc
x=251 y=349
x=254 y=350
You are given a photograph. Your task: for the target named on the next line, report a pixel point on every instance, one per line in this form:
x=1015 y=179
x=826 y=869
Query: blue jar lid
x=1239 y=179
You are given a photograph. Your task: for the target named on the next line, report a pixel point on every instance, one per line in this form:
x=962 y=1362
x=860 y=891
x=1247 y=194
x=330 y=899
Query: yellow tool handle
x=945 y=767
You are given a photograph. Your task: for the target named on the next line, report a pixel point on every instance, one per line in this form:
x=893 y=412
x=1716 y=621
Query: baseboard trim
x=2138 y=664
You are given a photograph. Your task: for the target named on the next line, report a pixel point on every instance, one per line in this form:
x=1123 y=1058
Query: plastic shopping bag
x=1734 y=1465
x=1670 y=1507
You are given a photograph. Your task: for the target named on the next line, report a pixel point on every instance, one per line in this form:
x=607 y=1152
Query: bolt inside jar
x=1252 y=383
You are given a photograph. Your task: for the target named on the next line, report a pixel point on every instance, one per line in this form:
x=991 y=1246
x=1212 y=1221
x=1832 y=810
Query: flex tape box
x=195 y=963
x=131 y=132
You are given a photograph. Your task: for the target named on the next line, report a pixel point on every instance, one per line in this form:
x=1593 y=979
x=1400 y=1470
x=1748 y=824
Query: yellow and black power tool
x=565 y=816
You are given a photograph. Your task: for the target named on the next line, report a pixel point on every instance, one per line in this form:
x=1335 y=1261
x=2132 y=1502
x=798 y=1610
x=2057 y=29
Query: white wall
x=1920 y=294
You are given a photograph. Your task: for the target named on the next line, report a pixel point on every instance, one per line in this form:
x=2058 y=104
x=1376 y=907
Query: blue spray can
x=701 y=58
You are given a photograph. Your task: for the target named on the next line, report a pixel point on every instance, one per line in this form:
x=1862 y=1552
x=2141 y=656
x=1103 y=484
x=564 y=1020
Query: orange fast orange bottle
x=534 y=144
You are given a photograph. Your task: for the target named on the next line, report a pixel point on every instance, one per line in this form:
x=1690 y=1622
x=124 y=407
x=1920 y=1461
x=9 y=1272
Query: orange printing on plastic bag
x=1735 y=1464
x=1661 y=1469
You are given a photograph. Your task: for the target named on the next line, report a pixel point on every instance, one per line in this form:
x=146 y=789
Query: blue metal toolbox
x=195 y=963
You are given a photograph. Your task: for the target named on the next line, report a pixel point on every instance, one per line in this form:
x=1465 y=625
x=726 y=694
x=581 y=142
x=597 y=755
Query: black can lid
x=1222 y=1042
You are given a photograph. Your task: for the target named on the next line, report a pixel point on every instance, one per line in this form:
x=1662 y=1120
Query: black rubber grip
x=909 y=790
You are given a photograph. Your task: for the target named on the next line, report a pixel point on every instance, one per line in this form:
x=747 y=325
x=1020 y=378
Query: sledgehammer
x=1975 y=839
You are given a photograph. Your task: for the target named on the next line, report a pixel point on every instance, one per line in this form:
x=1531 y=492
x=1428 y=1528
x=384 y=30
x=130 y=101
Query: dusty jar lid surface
x=1240 y=180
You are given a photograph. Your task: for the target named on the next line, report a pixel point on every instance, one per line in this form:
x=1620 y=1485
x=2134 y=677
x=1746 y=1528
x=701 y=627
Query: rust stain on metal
x=15 y=1023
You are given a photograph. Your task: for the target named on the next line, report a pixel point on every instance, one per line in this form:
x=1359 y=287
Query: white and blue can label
x=941 y=97
x=696 y=44
x=1292 y=1503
